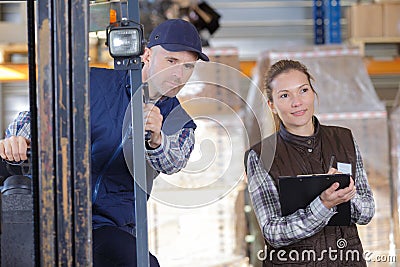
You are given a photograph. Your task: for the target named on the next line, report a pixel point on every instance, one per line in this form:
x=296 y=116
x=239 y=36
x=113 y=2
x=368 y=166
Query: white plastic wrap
x=196 y=216
x=395 y=186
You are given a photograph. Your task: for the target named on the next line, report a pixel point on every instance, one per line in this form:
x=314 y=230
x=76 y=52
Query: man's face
x=167 y=72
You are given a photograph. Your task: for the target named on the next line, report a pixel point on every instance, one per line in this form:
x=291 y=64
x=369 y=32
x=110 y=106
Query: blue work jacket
x=109 y=99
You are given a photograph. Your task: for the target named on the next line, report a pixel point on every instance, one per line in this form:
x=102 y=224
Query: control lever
x=146 y=100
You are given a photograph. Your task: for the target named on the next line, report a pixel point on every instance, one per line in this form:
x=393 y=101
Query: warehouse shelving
x=361 y=42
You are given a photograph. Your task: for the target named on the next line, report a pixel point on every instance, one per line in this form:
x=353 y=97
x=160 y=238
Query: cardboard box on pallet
x=387 y=1
x=203 y=202
x=374 y=151
x=224 y=55
x=395 y=172
x=217 y=82
x=213 y=235
x=391 y=19
x=196 y=216
x=365 y=20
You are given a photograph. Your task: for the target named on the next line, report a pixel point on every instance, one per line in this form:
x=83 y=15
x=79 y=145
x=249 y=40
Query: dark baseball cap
x=177 y=35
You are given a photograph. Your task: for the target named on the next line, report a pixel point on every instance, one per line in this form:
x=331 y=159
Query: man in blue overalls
x=168 y=62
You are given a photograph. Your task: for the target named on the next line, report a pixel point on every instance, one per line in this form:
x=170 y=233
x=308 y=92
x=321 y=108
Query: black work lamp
x=125 y=42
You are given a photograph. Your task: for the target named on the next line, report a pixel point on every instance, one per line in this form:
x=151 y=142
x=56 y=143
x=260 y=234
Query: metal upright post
x=80 y=137
x=33 y=110
x=319 y=22
x=139 y=171
x=332 y=11
x=45 y=139
x=63 y=134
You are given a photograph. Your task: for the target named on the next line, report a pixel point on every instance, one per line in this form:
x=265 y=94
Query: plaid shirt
x=170 y=157
x=281 y=231
x=173 y=153
x=20 y=126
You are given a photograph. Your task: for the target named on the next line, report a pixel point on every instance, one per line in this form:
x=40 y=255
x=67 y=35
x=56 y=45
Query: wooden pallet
x=361 y=42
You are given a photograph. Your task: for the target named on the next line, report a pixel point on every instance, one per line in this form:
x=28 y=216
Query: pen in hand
x=331 y=162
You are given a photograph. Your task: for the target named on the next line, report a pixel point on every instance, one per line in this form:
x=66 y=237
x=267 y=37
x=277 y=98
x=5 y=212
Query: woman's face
x=293 y=101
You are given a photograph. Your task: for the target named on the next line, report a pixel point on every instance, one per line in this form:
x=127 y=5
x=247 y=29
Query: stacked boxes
x=205 y=236
x=196 y=216
x=391 y=20
x=395 y=154
x=374 y=20
x=217 y=83
x=365 y=20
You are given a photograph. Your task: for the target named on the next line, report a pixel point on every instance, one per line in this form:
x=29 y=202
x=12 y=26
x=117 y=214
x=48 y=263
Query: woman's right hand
x=332 y=197
x=14 y=148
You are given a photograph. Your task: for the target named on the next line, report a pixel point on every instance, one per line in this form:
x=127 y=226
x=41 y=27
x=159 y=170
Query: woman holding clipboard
x=303 y=146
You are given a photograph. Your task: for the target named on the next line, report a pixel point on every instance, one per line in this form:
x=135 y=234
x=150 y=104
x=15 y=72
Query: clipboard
x=297 y=192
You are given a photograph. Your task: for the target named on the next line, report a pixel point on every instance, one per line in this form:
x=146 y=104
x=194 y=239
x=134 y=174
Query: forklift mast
x=60 y=131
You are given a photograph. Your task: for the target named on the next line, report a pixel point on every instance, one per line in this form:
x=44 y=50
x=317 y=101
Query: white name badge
x=344 y=168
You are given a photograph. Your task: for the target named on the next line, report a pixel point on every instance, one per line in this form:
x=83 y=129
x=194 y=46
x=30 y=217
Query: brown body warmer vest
x=296 y=155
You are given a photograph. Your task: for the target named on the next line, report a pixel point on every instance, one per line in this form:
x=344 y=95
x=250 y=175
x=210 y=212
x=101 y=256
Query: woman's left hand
x=333 y=196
